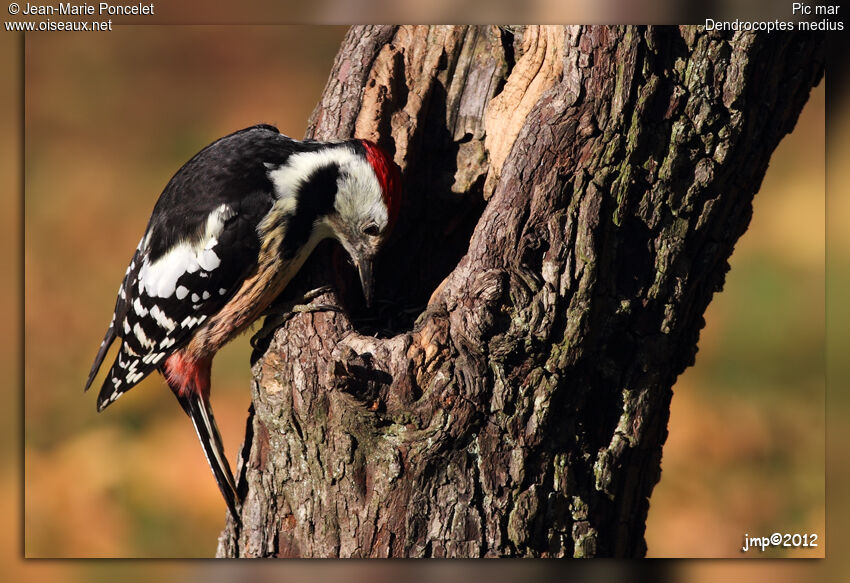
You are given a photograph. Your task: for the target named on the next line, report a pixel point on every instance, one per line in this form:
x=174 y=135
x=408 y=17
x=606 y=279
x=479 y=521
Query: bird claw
x=313 y=294
x=278 y=315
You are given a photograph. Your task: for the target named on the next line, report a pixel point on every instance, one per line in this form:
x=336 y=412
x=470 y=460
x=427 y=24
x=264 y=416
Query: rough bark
x=572 y=196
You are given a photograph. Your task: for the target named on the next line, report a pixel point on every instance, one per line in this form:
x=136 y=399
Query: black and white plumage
x=228 y=233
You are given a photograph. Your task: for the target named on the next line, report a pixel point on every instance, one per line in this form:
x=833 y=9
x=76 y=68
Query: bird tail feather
x=108 y=339
x=198 y=407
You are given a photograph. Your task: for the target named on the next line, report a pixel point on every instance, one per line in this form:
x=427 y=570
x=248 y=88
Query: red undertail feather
x=186 y=376
x=388 y=175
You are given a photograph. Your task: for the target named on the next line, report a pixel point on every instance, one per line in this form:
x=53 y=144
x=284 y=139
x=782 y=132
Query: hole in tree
x=431 y=235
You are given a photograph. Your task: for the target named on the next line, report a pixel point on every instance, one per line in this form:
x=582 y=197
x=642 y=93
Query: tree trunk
x=572 y=196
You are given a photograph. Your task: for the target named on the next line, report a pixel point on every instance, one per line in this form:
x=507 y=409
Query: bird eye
x=371 y=229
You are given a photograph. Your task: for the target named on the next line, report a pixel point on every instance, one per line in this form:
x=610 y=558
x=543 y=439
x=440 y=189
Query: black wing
x=199 y=245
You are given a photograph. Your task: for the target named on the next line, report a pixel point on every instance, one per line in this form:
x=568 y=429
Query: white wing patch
x=208 y=260
x=159 y=279
x=155 y=331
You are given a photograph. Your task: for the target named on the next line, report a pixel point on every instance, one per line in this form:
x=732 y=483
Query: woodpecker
x=230 y=230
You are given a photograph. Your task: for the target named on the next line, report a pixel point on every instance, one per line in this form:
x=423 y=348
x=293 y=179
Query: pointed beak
x=367 y=280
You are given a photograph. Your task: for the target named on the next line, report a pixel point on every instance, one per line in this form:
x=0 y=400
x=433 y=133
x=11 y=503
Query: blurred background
x=108 y=120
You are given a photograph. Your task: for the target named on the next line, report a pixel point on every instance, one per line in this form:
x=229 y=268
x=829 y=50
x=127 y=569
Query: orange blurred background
x=110 y=117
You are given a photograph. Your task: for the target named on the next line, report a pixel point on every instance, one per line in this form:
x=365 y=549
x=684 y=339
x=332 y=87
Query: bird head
x=365 y=208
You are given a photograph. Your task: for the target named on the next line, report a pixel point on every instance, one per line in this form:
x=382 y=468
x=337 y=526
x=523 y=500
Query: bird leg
x=279 y=313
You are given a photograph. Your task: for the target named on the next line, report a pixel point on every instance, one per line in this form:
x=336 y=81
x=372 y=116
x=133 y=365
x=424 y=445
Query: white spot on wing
x=206 y=295
x=181 y=292
x=166 y=342
x=134 y=378
x=139 y=308
x=143 y=340
x=159 y=279
x=163 y=320
x=195 y=298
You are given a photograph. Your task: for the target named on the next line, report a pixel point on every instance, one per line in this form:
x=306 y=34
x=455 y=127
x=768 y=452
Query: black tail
x=108 y=339
x=199 y=409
